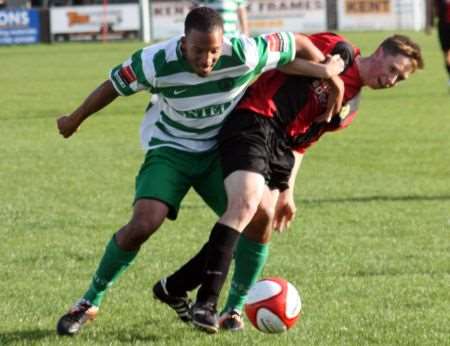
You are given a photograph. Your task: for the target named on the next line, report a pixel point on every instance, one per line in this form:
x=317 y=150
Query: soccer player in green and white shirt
x=199 y=78
x=233 y=12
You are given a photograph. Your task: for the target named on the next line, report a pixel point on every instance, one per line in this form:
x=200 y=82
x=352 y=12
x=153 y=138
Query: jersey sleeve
x=330 y=43
x=334 y=126
x=131 y=76
x=275 y=49
x=346 y=52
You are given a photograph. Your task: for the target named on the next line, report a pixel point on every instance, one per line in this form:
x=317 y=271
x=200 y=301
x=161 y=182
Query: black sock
x=222 y=242
x=189 y=276
x=448 y=70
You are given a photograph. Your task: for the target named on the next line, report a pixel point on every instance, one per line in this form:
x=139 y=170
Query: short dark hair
x=203 y=19
x=400 y=44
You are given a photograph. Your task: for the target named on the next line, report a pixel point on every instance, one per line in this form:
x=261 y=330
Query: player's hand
x=67 y=126
x=285 y=211
x=335 y=98
x=334 y=65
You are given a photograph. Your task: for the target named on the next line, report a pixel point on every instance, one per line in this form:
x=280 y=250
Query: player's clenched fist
x=67 y=126
x=334 y=65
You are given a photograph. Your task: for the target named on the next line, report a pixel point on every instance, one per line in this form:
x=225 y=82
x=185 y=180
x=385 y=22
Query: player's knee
x=242 y=209
x=260 y=228
x=265 y=213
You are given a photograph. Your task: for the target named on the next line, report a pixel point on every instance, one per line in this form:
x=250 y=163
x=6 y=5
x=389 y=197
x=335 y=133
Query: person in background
x=233 y=12
x=441 y=10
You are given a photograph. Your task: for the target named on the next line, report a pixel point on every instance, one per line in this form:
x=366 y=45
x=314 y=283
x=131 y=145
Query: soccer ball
x=273 y=305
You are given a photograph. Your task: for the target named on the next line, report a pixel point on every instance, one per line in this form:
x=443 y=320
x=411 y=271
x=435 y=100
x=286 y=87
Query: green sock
x=113 y=263
x=250 y=258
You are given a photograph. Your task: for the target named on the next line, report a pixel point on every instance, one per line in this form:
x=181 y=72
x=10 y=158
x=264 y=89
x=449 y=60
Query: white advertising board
x=284 y=15
x=91 y=19
x=381 y=14
x=167 y=17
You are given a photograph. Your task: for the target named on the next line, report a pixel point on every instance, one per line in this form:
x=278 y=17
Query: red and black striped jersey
x=295 y=101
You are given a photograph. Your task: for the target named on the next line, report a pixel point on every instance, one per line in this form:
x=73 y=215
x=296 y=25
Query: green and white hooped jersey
x=228 y=11
x=189 y=110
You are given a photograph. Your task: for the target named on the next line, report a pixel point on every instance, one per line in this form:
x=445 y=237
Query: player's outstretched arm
x=98 y=99
x=333 y=66
x=285 y=209
x=305 y=49
x=308 y=61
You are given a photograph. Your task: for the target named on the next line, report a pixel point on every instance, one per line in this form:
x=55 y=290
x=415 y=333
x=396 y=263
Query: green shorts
x=167 y=174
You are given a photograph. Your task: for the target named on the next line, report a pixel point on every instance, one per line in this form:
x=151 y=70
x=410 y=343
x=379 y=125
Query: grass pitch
x=369 y=250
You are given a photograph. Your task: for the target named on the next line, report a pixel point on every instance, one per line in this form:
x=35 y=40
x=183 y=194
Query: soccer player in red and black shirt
x=442 y=11
x=263 y=140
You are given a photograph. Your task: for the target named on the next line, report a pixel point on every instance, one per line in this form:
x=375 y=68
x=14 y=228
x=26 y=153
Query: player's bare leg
x=250 y=257
x=244 y=191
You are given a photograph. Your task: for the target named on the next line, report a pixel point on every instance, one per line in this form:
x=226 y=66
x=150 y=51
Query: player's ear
x=379 y=52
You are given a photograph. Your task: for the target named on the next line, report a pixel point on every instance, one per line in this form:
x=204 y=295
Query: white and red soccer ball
x=273 y=305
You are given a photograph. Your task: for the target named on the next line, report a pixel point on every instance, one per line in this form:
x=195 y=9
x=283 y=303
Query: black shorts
x=251 y=142
x=444 y=35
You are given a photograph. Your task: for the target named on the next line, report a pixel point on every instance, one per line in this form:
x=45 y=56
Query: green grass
x=369 y=250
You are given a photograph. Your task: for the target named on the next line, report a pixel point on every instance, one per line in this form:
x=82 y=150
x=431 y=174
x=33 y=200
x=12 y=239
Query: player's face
x=388 y=70
x=202 y=50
